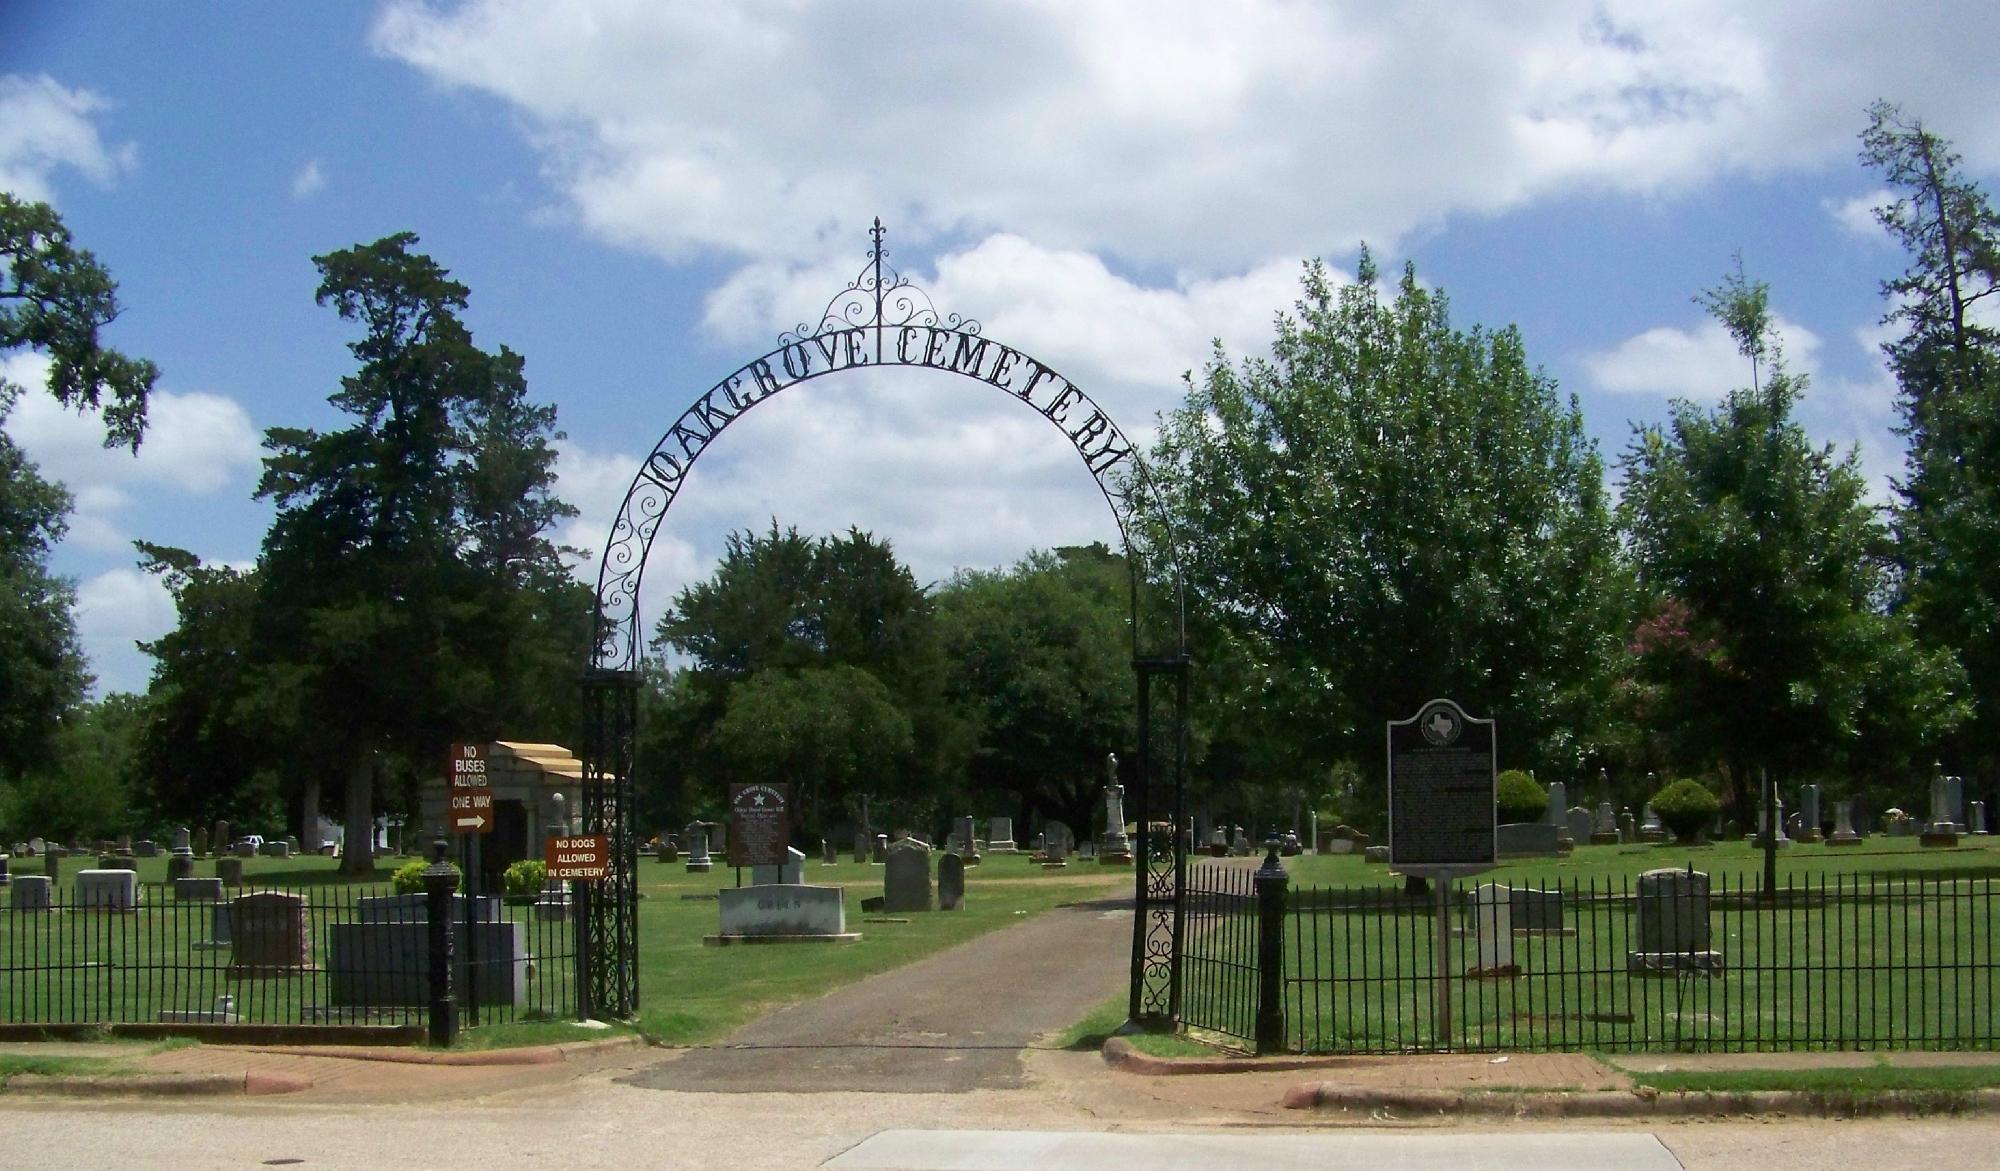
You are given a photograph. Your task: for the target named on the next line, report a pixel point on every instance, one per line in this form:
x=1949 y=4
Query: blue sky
x=641 y=196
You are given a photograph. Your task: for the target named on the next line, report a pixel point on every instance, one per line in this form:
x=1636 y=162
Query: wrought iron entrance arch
x=879 y=320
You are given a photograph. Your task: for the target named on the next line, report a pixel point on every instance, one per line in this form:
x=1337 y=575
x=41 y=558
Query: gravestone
x=201 y=842
x=52 y=864
x=219 y=840
x=1000 y=836
x=552 y=905
x=861 y=845
x=1379 y=854
x=1055 y=849
x=951 y=883
x=670 y=848
x=1809 y=815
x=183 y=842
x=1527 y=839
x=124 y=844
x=1115 y=842
x=6 y=875
x=698 y=861
x=1537 y=911
x=1954 y=789
x=1579 y=823
x=879 y=856
x=230 y=871
x=828 y=856
x=1493 y=930
x=1558 y=805
x=1239 y=844
x=1843 y=825
x=382 y=959
x=792 y=872
x=1940 y=831
x=37 y=846
x=1628 y=827
x=1650 y=828
x=906 y=878
x=1975 y=817
x=180 y=866
x=271 y=935
x=30 y=892
x=277 y=849
x=146 y=849
x=1218 y=843
x=782 y=912
x=246 y=849
x=198 y=890
x=1672 y=927
x=106 y=890
x=1604 y=831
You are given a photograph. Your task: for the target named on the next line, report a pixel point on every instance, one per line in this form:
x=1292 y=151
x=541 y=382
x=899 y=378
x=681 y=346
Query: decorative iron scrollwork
x=878 y=297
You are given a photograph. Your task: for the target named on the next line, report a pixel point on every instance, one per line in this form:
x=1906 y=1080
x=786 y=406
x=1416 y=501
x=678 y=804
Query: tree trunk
x=308 y=815
x=358 y=855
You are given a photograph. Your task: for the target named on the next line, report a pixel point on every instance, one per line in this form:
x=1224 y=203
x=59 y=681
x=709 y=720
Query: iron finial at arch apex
x=879 y=319
x=878 y=297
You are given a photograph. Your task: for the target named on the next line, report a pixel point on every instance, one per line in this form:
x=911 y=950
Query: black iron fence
x=1680 y=962
x=332 y=954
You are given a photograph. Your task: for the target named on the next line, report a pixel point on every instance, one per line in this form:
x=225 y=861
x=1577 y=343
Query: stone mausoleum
x=530 y=783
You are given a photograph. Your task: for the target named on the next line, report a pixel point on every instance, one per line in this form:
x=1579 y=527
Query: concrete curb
x=157 y=1085
x=1640 y=1103
x=528 y=1055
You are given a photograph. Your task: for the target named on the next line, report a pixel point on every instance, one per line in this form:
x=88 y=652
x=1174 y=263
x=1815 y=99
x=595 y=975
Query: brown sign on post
x=469 y=811
x=577 y=859
x=760 y=824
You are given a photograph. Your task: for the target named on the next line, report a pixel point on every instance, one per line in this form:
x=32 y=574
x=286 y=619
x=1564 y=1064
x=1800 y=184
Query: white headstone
x=107 y=890
x=1493 y=925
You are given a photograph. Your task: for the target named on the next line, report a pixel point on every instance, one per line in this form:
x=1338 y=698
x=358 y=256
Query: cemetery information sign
x=1441 y=815
x=577 y=859
x=760 y=824
x=469 y=804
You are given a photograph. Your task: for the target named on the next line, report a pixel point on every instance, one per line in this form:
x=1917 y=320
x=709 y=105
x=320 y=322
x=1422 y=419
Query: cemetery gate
x=881 y=320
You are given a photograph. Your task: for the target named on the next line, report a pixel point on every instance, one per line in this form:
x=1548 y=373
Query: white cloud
x=115 y=610
x=197 y=445
x=1856 y=216
x=1701 y=364
x=310 y=180
x=44 y=127
x=1190 y=134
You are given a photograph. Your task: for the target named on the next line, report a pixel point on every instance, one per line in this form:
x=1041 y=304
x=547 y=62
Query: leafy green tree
x=1391 y=509
x=54 y=299
x=1041 y=660
x=827 y=731
x=1767 y=646
x=386 y=577
x=1948 y=515
x=788 y=603
x=44 y=674
x=88 y=785
x=214 y=744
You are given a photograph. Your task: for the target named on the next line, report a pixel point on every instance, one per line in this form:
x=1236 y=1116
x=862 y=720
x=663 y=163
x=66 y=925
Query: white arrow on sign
x=471 y=821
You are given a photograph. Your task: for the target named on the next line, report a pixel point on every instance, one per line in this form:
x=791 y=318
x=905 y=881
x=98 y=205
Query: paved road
x=955 y=1022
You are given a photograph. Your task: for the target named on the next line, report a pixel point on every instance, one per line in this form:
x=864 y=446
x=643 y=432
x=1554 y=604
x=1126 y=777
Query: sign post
x=1441 y=813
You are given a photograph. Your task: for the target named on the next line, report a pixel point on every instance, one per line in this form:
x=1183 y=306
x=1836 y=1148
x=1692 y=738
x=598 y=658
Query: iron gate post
x=1160 y=863
x=610 y=961
x=1270 y=882
x=440 y=882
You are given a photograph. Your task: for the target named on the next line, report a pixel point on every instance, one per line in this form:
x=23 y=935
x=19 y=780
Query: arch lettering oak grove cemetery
x=879 y=320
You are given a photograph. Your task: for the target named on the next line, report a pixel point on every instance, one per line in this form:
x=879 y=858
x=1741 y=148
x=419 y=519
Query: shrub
x=409 y=877
x=524 y=879
x=1685 y=807
x=1519 y=797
